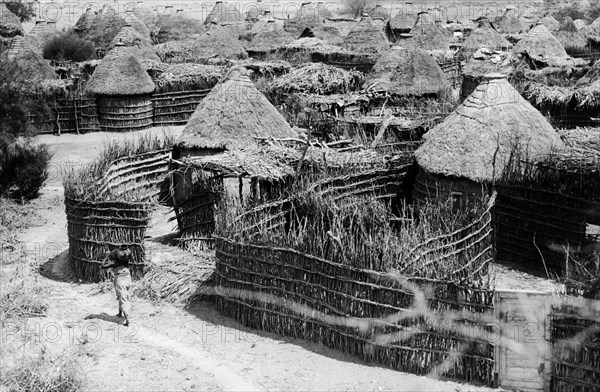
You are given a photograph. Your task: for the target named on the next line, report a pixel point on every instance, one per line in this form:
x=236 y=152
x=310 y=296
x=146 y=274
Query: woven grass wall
x=110 y=202
x=575 y=359
x=123 y=114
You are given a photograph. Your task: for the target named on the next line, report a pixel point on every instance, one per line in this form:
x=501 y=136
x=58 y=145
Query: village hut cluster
x=351 y=132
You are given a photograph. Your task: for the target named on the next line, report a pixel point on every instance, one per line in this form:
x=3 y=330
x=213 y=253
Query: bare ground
x=168 y=347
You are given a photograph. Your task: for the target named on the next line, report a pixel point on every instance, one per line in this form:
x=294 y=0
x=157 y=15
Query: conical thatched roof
x=403 y=72
x=540 y=45
x=120 y=75
x=231 y=115
x=108 y=23
x=592 y=31
x=485 y=36
x=551 y=24
x=511 y=22
x=592 y=77
x=148 y=16
x=427 y=35
x=31 y=67
x=10 y=24
x=271 y=37
x=130 y=40
x=85 y=21
x=379 y=12
x=309 y=15
x=569 y=36
x=403 y=22
x=177 y=26
x=215 y=42
x=40 y=35
x=476 y=141
x=224 y=12
x=366 y=38
x=328 y=34
x=17 y=45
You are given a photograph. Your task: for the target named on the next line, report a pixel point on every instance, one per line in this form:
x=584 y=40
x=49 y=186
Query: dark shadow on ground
x=57 y=268
x=105 y=317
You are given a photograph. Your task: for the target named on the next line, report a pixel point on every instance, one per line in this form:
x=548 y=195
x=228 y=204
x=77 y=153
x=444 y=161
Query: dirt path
x=170 y=348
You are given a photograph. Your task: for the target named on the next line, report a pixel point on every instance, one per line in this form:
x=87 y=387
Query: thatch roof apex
x=406 y=72
x=120 y=75
x=231 y=115
x=540 y=45
x=479 y=138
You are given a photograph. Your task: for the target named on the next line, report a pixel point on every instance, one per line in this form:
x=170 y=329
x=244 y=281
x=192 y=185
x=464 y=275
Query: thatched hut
x=136 y=47
x=215 y=44
x=41 y=34
x=366 y=38
x=147 y=15
x=177 y=26
x=108 y=23
x=309 y=15
x=224 y=13
x=511 y=22
x=484 y=36
x=379 y=12
x=123 y=89
x=592 y=31
x=539 y=46
x=129 y=36
x=328 y=34
x=427 y=35
x=551 y=23
x=475 y=69
x=402 y=72
x=473 y=146
x=402 y=23
x=32 y=68
x=570 y=37
x=10 y=24
x=270 y=38
x=85 y=21
x=230 y=117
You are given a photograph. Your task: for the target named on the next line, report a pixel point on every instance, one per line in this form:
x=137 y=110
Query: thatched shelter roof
x=236 y=30
x=10 y=24
x=404 y=72
x=120 y=76
x=85 y=21
x=540 y=45
x=143 y=52
x=40 y=35
x=215 y=42
x=31 y=66
x=367 y=38
x=427 y=35
x=379 y=12
x=309 y=15
x=317 y=78
x=511 y=22
x=591 y=77
x=177 y=26
x=478 y=139
x=550 y=22
x=312 y=44
x=328 y=34
x=147 y=15
x=108 y=23
x=231 y=115
x=403 y=22
x=271 y=37
x=224 y=12
x=129 y=36
x=17 y=44
x=485 y=36
x=569 y=35
x=592 y=31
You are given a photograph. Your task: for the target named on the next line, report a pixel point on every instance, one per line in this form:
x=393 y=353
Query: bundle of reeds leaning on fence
x=109 y=202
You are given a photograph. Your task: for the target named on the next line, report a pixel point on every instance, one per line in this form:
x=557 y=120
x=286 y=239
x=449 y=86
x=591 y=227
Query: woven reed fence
x=176 y=108
x=95 y=227
x=575 y=359
x=77 y=115
x=527 y=220
x=284 y=291
x=453 y=71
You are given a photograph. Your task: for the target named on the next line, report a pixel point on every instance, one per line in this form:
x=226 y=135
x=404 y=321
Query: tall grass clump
x=362 y=231
x=88 y=182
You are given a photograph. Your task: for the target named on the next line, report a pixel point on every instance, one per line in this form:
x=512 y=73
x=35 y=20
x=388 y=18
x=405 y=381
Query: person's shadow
x=106 y=317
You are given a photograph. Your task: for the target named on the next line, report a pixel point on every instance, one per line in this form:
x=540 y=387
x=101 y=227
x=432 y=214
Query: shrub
x=23 y=10
x=69 y=46
x=23 y=168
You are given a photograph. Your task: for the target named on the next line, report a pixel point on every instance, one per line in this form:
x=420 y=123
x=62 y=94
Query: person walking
x=119 y=262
